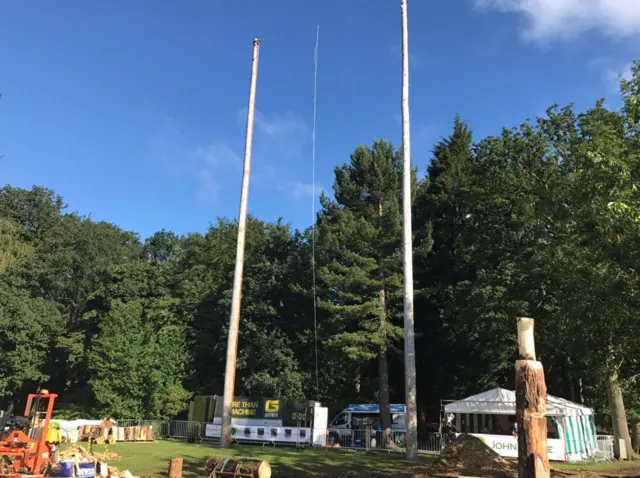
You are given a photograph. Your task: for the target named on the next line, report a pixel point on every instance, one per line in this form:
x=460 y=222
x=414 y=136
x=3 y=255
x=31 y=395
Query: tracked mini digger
x=24 y=447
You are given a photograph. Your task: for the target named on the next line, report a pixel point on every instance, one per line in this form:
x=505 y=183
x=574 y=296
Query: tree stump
x=175 y=468
x=531 y=404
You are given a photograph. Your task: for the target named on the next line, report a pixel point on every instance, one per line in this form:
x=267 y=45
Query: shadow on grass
x=289 y=463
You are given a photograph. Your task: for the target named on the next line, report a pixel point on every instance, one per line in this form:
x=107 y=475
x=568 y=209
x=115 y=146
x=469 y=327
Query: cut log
x=531 y=405
x=242 y=468
x=175 y=468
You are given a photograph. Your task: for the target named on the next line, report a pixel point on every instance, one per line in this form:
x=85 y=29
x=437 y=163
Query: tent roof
x=503 y=402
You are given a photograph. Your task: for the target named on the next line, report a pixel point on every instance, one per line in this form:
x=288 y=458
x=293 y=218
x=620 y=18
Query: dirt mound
x=468 y=452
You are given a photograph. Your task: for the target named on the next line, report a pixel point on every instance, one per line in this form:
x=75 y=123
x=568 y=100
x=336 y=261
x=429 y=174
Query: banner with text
x=288 y=412
x=507 y=446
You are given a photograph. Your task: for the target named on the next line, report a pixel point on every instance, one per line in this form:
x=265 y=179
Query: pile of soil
x=470 y=453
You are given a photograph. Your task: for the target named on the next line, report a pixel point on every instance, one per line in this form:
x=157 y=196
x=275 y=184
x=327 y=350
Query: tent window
x=552 y=429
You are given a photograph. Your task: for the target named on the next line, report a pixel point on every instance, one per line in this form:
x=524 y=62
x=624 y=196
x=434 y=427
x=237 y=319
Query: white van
x=351 y=419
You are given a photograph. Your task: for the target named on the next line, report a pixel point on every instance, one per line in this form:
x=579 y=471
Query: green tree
x=29 y=327
x=362 y=277
x=12 y=248
x=443 y=208
x=137 y=370
x=270 y=336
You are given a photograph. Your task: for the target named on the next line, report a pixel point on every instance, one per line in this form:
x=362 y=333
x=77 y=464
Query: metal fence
x=604 y=452
x=365 y=440
x=372 y=440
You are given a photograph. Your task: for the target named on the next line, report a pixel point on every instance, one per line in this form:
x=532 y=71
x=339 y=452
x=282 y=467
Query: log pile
x=218 y=467
x=113 y=434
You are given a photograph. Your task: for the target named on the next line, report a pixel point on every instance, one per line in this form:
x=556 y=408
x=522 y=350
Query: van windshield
x=340 y=420
x=398 y=419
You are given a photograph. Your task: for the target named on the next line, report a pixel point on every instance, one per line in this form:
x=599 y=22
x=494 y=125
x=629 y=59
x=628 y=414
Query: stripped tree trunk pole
x=410 y=387
x=531 y=404
x=236 y=297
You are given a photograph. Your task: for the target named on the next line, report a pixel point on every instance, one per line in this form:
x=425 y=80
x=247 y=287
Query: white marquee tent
x=574 y=421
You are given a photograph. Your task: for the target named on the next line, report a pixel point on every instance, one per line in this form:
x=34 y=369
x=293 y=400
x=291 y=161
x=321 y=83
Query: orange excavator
x=25 y=449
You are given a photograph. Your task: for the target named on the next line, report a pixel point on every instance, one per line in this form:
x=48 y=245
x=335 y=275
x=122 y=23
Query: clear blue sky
x=134 y=111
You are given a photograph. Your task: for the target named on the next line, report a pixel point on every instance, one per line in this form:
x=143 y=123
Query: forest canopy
x=542 y=220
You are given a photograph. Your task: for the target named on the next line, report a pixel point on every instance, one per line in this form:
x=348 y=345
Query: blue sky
x=135 y=111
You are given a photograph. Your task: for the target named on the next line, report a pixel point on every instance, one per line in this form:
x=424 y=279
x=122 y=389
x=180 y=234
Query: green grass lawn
x=149 y=460
x=152 y=459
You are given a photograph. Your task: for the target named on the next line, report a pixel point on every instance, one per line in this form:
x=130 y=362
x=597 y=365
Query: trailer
x=274 y=421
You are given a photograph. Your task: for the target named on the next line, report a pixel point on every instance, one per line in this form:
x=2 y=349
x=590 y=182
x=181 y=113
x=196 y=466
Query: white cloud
x=550 y=19
x=276 y=126
x=300 y=190
x=210 y=166
x=213 y=164
x=278 y=138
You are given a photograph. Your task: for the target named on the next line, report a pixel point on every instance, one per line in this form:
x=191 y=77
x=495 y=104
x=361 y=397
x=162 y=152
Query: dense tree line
x=542 y=220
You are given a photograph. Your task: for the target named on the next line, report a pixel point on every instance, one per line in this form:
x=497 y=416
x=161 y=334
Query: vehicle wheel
x=334 y=438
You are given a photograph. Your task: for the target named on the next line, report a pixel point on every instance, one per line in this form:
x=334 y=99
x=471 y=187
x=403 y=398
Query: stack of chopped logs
x=109 y=432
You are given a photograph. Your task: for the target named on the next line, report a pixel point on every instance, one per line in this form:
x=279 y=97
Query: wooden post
x=175 y=468
x=410 y=387
x=236 y=298
x=531 y=405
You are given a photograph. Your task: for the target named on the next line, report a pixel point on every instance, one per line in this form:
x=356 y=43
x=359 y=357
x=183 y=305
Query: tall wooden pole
x=236 y=299
x=407 y=252
x=531 y=406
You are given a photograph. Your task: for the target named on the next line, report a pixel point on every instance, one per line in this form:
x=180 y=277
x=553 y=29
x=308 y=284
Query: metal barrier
x=375 y=440
x=432 y=445
x=604 y=451
x=166 y=428
x=184 y=429
x=368 y=440
x=358 y=439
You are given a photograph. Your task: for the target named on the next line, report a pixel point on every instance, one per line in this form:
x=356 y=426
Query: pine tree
x=362 y=276
x=442 y=211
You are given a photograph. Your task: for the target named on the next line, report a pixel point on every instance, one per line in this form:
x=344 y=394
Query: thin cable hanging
x=313 y=207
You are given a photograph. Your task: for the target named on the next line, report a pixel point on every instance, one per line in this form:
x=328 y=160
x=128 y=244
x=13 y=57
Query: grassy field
x=152 y=460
